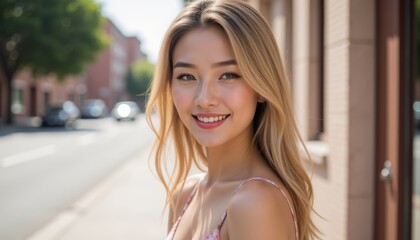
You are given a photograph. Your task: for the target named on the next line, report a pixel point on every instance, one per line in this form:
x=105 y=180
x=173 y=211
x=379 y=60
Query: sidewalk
x=127 y=205
x=23 y=124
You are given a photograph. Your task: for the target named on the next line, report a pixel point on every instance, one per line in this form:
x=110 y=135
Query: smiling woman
x=213 y=101
x=223 y=99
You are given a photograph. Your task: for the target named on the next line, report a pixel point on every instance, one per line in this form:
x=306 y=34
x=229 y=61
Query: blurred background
x=74 y=144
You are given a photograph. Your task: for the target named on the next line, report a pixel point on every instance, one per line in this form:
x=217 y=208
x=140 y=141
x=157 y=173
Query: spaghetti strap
x=175 y=226
x=275 y=185
x=215 y=234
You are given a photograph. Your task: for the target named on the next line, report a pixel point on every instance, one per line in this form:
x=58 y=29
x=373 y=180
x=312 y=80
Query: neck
x=233 y=161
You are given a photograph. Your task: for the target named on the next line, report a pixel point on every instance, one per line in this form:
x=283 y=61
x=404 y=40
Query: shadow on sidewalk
x=33 y=125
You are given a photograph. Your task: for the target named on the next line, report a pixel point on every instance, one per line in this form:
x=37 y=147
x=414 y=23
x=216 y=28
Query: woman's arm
x=260 y=211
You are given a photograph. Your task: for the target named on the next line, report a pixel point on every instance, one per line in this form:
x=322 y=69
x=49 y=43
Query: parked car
x=94 y=108
x=126 y=110
x=64 y=114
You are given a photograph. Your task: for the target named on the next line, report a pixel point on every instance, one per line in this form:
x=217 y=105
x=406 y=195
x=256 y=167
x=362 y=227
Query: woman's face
x=212 y=98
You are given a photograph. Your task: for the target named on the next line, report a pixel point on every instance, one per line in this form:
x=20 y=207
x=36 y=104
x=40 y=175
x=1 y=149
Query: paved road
x=43 y=171
x=126 y=205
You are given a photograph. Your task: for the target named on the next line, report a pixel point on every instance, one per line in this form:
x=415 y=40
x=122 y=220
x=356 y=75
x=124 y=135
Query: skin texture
x=206 y=80
x=209 y=83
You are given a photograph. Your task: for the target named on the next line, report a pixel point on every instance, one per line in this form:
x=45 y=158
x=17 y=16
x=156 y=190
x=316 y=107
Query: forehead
x=203 y=44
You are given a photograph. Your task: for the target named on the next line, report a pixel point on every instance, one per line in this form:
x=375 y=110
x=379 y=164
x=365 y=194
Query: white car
x=126 y=110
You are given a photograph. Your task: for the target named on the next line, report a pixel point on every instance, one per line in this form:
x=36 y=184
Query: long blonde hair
x=275 y=131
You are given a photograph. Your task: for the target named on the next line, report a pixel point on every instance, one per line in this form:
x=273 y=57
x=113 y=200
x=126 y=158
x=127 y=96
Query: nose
x=206 y=95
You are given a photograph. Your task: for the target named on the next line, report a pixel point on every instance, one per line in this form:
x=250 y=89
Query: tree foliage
x=187 y=1
x=417 y=24
x=48 y=36
x=138 y=80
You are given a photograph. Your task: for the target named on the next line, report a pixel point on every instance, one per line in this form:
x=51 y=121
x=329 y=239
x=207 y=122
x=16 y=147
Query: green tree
x=187 y=1
x=49 y=37
x=138 y=80
x=417 y=25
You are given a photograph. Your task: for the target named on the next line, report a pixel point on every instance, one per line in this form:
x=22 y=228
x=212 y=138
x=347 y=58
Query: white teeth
x=211 y=119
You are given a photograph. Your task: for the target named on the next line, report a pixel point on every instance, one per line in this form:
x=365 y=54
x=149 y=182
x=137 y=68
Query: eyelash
x=234 y=76
x=181 y=76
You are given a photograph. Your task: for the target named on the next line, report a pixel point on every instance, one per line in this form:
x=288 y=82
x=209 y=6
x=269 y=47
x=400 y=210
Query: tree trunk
x=8 y=72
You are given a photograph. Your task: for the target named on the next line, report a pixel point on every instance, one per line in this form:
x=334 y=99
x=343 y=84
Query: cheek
x=244 y=98
x=181 y=100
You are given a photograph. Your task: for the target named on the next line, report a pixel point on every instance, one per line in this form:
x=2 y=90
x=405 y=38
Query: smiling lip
x=209 y=121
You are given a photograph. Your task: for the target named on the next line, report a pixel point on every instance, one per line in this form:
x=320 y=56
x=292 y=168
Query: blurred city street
x=45 y=172
x=353 y=74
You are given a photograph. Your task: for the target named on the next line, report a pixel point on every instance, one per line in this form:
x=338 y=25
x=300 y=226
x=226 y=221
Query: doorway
x=394 y=218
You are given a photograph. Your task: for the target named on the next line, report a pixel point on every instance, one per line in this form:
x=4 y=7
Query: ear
x=260 y=99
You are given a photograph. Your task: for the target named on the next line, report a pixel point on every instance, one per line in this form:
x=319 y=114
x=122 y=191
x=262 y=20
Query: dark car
x=64 y=114
x=126 y=110
x=94 y=108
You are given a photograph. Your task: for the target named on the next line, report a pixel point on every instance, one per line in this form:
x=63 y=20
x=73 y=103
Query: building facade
x=106 y=76
x=32 y=95
x=103 y=79
x=133 y=49
x=350 y=65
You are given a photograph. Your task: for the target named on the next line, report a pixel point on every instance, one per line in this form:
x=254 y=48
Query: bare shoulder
x=189 y=185
x=183 y=194
x=261 y=211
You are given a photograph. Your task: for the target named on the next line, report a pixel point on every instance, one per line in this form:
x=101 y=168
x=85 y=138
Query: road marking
x=28 y=156
x=91 y=137
x=87 y=139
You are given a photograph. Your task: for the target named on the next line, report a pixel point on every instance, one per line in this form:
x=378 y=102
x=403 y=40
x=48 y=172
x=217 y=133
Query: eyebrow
x=218 y=64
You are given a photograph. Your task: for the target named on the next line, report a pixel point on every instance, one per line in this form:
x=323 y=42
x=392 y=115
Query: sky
x=146 y=19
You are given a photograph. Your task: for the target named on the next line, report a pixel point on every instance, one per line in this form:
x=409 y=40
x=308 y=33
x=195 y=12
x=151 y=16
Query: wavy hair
x=275 y=131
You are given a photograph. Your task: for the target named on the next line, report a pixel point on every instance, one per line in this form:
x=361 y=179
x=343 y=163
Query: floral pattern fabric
x=215 y=234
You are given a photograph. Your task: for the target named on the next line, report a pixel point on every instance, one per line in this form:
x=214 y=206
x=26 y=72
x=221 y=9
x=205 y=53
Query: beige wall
x=343 y=178
x=362 y=119
x=331 y=191
x=345 y=195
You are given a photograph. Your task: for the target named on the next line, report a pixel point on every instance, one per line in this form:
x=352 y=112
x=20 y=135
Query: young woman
x=223 y=100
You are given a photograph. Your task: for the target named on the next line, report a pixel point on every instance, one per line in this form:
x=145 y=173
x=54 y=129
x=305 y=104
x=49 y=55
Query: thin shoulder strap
x=175 y=227
x=275 y=185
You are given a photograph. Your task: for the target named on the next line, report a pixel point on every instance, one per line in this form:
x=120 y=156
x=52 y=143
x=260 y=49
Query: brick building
x=31 y=95
x=104 y=79
x=133 y=50
x=351 y=66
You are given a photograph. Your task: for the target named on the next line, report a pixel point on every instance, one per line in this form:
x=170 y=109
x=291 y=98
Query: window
x=316 y=55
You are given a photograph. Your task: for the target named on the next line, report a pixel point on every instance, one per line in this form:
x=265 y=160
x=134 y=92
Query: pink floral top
x=215 y=234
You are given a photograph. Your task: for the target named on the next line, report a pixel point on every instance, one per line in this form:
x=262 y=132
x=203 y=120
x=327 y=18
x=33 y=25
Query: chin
x=209 y=143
